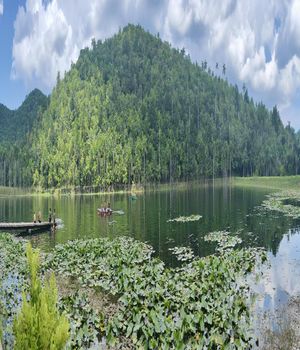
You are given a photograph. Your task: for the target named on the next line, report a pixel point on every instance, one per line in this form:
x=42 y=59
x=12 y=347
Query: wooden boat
x=104 y=212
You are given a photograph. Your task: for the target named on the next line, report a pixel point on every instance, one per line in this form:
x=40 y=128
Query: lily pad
x=285 y=202
x=186 y=218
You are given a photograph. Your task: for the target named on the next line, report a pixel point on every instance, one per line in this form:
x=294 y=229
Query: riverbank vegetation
x=269 y=182
x=201 y=303
x=132 y=108
x=285 y=202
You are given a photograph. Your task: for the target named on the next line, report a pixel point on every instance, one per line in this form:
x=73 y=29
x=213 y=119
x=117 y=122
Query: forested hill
x=15 y=146
x=14 y=125
x=135 y=109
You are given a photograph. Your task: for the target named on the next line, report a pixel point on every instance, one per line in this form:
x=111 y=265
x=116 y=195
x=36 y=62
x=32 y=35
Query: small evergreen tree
x=39 y=326
x=1 y=334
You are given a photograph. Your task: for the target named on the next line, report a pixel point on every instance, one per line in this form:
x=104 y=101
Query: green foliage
x=224 y=240
x=186 y=218
x=87 y=325
x=12 y=281
x=134 y=109
x=84 y=321
x=1 y=332
x=269 y=182
x=15 y=150
x=201 y=304
x=39 y=324
x=286 y=202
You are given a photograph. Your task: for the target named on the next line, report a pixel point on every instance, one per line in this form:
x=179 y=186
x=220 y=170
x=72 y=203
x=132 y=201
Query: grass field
x=272 y=182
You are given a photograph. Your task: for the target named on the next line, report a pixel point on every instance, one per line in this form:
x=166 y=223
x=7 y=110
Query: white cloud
x=43 y=44
x=258 y=40
x=1 y=7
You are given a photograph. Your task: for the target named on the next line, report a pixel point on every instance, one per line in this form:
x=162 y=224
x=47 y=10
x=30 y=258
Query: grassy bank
x=125 y=189
x=15 y=191
x=271 y=182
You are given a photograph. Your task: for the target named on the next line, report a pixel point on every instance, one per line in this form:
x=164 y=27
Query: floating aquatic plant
x=225 y=241
x=186 y=218
x=201 y=304
x=182 y=253
x=285 y=202
x=12 y=282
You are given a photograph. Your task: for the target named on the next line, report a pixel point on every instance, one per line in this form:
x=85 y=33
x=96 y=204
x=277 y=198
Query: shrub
x=39 y=325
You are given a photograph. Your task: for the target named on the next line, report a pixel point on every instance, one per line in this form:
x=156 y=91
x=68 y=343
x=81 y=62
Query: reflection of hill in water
x=222 y=207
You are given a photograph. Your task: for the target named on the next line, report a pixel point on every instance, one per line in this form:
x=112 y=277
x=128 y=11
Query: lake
x=223 y=207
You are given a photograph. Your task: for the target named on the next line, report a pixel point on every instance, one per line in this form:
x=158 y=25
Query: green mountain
x=135 y=109
x=15 y=130
x=16 y=124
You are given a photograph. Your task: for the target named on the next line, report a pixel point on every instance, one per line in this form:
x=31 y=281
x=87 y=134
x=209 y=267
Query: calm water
x=223 y=208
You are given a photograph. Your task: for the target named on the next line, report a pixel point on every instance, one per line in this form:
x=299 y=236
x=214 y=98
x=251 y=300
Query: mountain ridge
x=15 y=123
x=132 y=108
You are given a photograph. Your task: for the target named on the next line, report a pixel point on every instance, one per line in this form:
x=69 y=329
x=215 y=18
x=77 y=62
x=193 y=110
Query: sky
x=257 y=40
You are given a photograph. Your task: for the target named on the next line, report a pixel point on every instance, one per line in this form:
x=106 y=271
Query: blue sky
x=12 y=92
x=258 y=40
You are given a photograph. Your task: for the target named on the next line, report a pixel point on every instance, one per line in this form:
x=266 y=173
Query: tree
x=224 y=69
x=133 y=108
x=39 y=324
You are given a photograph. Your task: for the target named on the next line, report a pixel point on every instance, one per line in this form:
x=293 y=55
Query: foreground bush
x=39 y=324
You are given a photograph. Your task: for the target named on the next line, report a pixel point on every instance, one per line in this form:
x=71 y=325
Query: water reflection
x=223 y=207
x=281 y=278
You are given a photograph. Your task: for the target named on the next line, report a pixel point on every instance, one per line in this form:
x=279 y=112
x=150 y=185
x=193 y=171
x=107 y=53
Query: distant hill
x=15 y=129
x=17 y=123
x=132 y=108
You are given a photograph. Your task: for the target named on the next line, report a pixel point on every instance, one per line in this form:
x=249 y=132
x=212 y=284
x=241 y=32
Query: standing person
x=34 y=218
x=53 y=217
x=50 y=215
x=39 y=216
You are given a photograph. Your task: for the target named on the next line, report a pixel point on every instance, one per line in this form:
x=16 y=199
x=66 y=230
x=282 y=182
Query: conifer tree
x=39 y=325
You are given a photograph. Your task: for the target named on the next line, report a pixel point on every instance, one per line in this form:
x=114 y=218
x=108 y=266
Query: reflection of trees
x=222 y=208
x=268 y=229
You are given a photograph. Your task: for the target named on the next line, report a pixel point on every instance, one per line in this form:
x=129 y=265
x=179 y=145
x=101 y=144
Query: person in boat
x=50 y=215
x=34 y=218
x=39 y=216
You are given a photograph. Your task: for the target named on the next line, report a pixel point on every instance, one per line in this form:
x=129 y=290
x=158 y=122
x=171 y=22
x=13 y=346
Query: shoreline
x=266 y=182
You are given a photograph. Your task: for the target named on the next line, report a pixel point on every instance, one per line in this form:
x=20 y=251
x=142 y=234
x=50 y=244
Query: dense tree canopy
x=134 y=109
x=15 y=141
